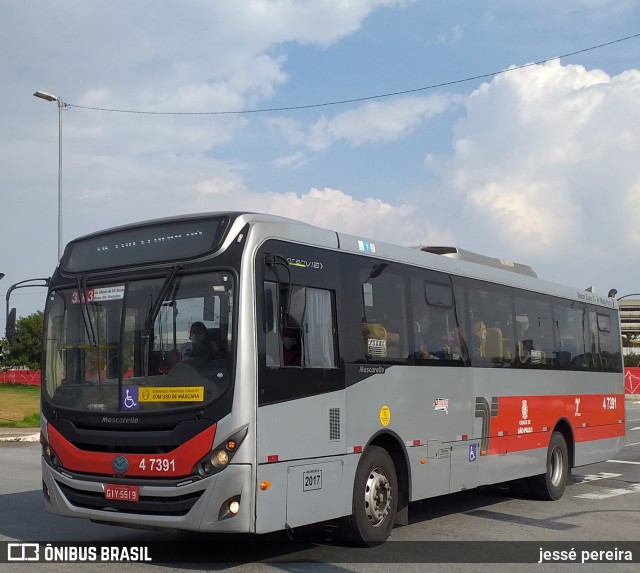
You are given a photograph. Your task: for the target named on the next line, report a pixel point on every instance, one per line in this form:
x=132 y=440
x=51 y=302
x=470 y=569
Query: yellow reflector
x=265 y=485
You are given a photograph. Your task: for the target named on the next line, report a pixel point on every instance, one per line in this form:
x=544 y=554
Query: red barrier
x=30 y=377
x=632 y=380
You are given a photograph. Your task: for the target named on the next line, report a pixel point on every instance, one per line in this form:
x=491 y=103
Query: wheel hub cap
x=377 y=497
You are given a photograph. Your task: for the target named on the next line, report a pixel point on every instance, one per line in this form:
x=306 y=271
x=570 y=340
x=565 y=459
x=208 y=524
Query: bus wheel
x=375 y=499
x=550 y=485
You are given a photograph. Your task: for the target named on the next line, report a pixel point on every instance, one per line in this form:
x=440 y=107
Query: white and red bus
x=236 y=372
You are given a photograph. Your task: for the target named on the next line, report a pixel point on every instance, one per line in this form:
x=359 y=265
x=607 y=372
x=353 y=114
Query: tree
x=632 y=360
x=26 y=347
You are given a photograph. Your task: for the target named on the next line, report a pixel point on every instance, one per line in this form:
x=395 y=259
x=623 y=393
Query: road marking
x=612 y=492
x=633 y=444
x=594 y=477
x=623 y=462
x=636 y=428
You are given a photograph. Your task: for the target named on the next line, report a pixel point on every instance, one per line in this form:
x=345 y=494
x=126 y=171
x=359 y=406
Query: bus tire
x=550 y=485
x=375 y=500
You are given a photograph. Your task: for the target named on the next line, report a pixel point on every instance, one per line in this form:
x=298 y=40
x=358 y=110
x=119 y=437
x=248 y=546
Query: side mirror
x=11 y=326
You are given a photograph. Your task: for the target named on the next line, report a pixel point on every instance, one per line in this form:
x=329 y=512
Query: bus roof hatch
x=463 y=255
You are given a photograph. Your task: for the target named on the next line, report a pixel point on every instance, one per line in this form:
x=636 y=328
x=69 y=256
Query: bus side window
x=384 y=314
x=299 y=326
x=318 y=329
x=568 y=318
x=601 y=335
x=436 y=333
x=608 y=337
x=489 y=326
x=535 y=332
x=270 y=324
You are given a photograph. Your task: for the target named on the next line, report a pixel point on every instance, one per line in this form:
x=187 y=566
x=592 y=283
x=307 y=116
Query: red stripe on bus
x=526 y=422
x=176 y=463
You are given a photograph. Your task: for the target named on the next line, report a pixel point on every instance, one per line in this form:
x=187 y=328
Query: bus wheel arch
x=380 y=495
x=550 y=485
x=394 y=446
x=564 y=427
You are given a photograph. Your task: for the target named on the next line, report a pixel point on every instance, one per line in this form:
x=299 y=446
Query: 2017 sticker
x=311 y=480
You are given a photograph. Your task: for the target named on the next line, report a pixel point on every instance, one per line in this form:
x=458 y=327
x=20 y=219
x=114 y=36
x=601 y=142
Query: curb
x=27 y=438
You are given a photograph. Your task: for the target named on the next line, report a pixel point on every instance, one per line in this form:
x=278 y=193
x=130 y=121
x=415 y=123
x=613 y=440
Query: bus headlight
x=49 y=455
x=229 y=508
x=220 y=457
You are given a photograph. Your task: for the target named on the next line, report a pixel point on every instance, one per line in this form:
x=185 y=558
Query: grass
x=19 y=406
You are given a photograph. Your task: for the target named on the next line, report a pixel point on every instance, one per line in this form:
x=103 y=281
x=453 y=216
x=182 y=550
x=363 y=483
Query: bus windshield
x=140 y=345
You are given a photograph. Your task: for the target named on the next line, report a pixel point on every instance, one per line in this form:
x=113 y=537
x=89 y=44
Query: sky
x=514 y=130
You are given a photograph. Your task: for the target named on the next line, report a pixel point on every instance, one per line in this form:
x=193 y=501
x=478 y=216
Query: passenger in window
x=455 y=345
x=200 y=346
x=524 y=350
x=431 y=337
x=528 y=354
x=424 y=353
x=478 y=338
x=530 y=344
x=435 y=341
x=393 y=344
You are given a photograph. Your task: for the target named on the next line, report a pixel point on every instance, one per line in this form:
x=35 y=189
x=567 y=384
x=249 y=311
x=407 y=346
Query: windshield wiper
x=84 y=310
x=154 y=309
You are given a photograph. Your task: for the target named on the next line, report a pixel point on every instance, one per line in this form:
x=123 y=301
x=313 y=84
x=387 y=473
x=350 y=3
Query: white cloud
x=452 y=35
x=225 y=183
x=375 y=121
x=320 y=22
x=546 y=162
x=336 y=210
x=543 y=163
x=631 y=206
x=207 y=56
x=297 y=159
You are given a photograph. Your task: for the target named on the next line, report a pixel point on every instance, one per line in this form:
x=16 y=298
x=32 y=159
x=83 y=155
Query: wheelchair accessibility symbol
x=130 y=398
x=473 y=452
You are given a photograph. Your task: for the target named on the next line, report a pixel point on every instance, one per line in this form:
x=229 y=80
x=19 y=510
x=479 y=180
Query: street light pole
x=61 y=105
x=628 y=295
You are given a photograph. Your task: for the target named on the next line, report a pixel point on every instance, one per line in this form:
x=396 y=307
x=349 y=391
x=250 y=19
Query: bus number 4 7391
x=157 y=464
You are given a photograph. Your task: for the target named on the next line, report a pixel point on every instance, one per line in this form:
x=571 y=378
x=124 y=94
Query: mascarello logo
x=120 y=464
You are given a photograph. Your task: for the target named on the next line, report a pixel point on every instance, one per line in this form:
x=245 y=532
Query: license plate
x=122 y=492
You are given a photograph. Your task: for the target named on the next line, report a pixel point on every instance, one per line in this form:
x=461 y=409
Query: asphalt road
x=602 y=505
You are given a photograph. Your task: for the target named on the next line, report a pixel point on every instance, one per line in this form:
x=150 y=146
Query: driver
x=200 y=347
